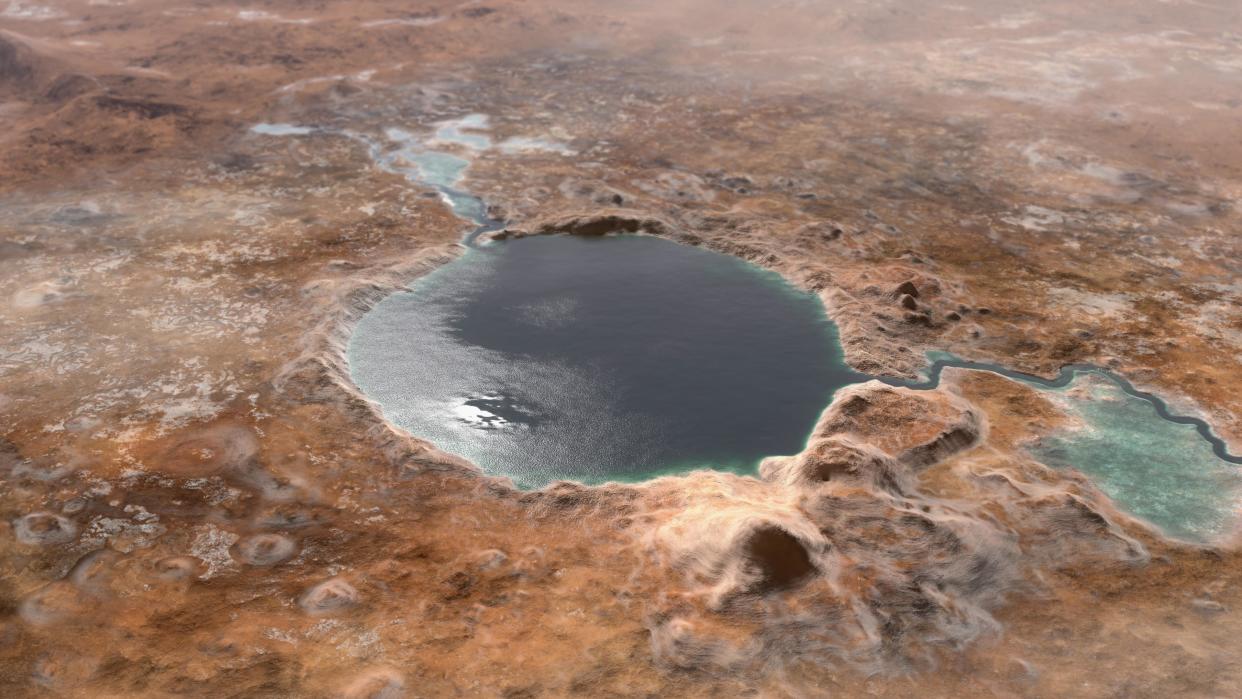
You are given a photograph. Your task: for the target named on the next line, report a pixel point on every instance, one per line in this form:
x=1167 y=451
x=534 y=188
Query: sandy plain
x=197 y=501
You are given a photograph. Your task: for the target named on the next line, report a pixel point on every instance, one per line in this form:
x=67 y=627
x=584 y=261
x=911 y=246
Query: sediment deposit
x=196 y=500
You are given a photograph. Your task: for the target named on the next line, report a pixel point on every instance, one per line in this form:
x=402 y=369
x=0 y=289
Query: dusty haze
x=197 y=501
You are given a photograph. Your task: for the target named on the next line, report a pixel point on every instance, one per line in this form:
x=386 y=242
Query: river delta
x=620 y=349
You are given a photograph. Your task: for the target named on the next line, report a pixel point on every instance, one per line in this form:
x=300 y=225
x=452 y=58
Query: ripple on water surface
x=595 y=359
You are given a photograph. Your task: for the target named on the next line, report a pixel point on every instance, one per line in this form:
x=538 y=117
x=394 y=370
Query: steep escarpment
x=839 y=551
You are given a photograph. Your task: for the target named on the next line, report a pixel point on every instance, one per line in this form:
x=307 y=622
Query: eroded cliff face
x=198 y=501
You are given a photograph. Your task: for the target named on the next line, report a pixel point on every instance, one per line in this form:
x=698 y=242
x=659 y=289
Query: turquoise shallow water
x=564 y=358
x=1158 y=470
x=1169 y=469
x=595 y=359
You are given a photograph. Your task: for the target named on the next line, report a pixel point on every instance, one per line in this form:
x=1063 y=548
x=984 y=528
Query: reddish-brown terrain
x=197 y=501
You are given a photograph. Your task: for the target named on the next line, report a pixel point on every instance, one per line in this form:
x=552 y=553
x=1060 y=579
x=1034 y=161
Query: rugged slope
x=197 y=501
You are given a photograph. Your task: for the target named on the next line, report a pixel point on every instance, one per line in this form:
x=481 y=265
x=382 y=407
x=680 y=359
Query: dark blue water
x=626 y=358
x=629 y=357
x=595 y=359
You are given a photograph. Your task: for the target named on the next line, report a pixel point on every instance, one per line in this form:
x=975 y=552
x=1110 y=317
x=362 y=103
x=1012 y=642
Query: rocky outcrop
x=594 y=223
x=30 y=74
x=843 y=533
x=17 y=69
x=848 y=505
x=164 y=268
x=837 y=458
x=917 y=428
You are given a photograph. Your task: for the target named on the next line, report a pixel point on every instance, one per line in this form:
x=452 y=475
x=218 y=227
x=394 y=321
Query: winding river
x=626 y=357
